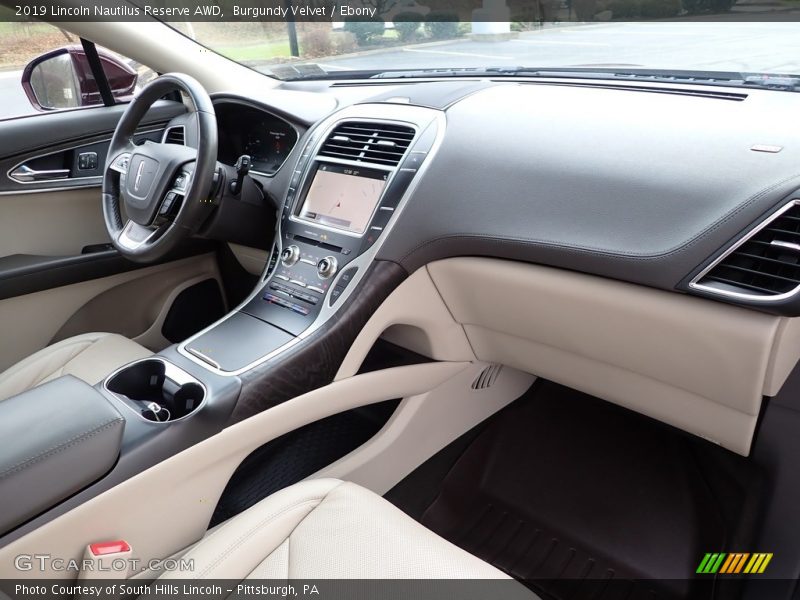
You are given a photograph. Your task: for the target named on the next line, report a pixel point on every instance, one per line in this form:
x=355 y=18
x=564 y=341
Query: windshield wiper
x=450 y=72
x=789 y=83
x=769 y=81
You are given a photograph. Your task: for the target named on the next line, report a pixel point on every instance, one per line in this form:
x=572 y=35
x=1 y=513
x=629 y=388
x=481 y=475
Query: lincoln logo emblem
x=138 y=177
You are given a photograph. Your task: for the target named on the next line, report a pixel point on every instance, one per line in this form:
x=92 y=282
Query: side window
x=44 y=68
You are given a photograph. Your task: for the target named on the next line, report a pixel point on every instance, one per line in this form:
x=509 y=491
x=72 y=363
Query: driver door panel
x=59 y=276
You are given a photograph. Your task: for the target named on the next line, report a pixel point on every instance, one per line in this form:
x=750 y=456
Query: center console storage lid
x=237 y=342
x=56 y=439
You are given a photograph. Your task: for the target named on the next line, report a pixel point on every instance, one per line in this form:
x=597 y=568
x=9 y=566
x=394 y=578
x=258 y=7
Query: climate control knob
x=290 y=255
x=326 y=267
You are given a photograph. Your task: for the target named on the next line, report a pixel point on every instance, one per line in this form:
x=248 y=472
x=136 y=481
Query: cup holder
x=157 y=390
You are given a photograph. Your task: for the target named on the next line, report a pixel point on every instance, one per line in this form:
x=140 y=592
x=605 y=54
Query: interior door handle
x=24 y=174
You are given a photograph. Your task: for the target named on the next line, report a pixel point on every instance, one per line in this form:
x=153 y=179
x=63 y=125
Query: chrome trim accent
x=98 y=178
x=114 y=166
x=171 y=371
x=96 y=183
x=205 y=358
x=782 y=244
x=693 y=284
x=379 y=112
x=24 y=174
x=170 y=128
x=125 y=240
x=137 y=180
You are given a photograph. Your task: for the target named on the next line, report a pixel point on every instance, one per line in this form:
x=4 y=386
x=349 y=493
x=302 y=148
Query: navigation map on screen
x=343 y=197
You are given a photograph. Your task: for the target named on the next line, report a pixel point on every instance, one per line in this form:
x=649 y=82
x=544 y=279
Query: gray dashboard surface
x=633 y=185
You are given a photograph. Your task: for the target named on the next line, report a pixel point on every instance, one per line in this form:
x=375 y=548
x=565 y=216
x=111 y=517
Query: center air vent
x=175 y=135
x=765 y=265
x=362 y=141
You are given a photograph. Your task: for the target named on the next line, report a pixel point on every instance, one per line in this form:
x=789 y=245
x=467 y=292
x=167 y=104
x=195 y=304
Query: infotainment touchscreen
x=343 y=197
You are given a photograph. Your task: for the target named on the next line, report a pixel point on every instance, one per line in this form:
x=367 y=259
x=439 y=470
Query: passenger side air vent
x=487 y=377
x=175 y=135
x=362 y=141
x=763 y=266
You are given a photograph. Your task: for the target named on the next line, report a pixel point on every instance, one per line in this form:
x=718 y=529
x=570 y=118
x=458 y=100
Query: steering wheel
x=162 y=188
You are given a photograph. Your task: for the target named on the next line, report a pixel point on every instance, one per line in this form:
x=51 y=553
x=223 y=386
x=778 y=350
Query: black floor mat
x=296 y=455
x=583 y=499
x=300 y=453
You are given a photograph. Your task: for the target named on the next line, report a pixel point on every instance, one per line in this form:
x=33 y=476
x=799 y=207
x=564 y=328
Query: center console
x=351 y=179
x=353 y=176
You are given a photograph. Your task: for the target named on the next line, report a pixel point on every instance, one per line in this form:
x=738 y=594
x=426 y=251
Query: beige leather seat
x=329 y=529
x=90 y=357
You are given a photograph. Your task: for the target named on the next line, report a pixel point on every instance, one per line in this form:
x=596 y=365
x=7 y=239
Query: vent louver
x=765 y=264
x=175 y=135
x=361 y=141
x=487 y=377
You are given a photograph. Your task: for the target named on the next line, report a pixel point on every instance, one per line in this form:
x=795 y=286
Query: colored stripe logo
x=734 y=563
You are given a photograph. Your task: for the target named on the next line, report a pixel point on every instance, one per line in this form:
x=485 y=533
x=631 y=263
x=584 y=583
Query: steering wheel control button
x=121 y=163
x=169 y=200
x=180 y=181
x=290 y=255
x=326 y=267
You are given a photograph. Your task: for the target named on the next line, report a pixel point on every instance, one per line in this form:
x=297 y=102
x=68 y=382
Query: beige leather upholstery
x=90 y=357
x=329 y=529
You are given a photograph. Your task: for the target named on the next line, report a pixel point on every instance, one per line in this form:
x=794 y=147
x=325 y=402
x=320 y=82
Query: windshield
x=408 y=39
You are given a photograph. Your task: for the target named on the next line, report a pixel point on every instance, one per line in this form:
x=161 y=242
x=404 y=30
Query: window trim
x=99 y=74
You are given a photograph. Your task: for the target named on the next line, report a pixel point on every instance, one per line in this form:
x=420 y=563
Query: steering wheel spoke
x=121 y=163
x=133 y=236
x=161 y=188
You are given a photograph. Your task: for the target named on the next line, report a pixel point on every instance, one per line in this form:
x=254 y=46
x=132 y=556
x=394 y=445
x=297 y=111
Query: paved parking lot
x=770 y=47
x=13 y=100
x=732 y=46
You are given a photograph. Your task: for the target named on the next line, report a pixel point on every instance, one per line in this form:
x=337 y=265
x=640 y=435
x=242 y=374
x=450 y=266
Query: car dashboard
x=634 y=220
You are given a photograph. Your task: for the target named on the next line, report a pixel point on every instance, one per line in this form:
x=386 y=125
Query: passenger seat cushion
x=89 y=357
x=329 y=529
